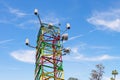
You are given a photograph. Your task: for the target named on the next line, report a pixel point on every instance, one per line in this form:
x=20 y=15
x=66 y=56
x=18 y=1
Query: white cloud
x=100 y=47
x=95 y=58
x=15 y=17
x=24 y=55
x=6 y=41
x=82 y=57
x=108 y=78
x=75 y=37
x=108 y=20
x=16 y=12
x=51 y=17
x=30 y=24
x=75 y=50
x=77 y=54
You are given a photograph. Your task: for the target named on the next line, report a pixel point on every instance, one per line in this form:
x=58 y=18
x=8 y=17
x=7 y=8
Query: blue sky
x=93 y=38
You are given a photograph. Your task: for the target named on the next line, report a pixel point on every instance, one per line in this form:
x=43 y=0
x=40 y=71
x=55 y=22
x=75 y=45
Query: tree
x=114 y=73
x=72 y=78
x=97 y=73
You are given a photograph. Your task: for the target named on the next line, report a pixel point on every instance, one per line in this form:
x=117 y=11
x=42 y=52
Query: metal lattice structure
x=49 y=64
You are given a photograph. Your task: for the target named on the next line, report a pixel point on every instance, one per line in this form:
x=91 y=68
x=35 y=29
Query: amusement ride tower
x=49 y=51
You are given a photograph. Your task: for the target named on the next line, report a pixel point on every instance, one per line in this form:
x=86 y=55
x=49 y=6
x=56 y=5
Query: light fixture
x=68 y=25
x=36 y=11
x=37 y=14
x=28 y=44
x=66 y=50
x=50 y=25
x=27 y=41
x=65 y=36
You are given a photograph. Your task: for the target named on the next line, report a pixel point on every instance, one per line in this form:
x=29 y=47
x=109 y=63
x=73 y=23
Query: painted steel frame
x=49 y=64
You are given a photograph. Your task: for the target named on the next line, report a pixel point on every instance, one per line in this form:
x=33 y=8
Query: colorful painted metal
x=49 y=64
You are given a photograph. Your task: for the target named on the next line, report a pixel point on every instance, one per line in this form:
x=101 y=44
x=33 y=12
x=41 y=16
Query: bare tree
x=98 y=73
x=72 y=78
